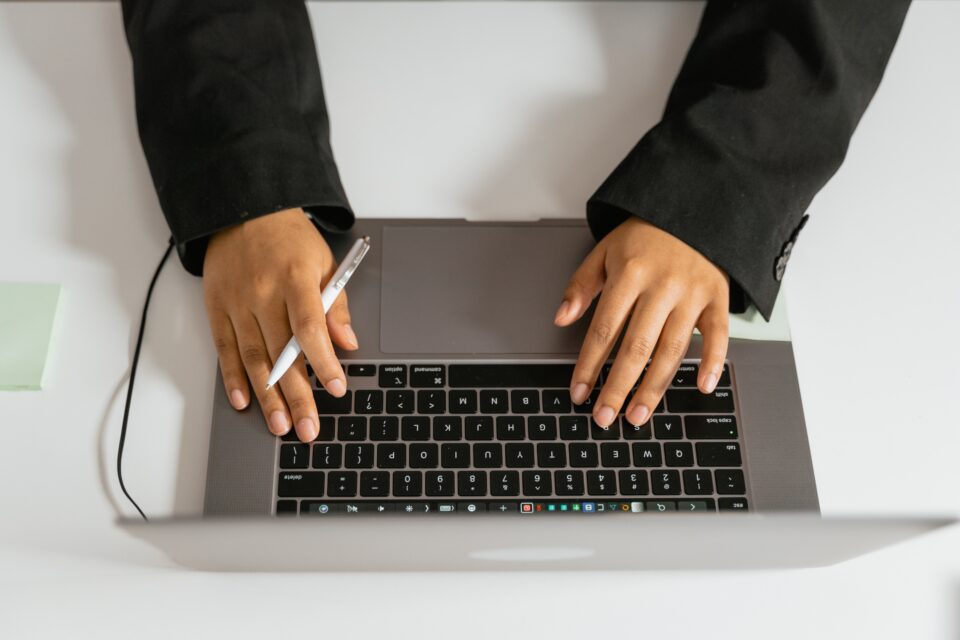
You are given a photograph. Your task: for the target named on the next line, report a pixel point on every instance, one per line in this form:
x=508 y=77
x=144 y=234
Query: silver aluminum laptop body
x=451 y=291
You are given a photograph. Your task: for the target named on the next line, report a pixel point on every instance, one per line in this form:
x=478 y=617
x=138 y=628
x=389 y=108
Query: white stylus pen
x=339 y=280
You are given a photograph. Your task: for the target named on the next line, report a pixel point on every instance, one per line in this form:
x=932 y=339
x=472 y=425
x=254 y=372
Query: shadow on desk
x=115 y=218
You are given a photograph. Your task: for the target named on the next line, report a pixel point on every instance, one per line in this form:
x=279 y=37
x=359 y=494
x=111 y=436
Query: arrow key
x=691 y=505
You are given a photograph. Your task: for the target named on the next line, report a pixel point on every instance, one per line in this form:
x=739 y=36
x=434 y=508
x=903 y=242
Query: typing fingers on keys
x=257 y=362
x=636 y=347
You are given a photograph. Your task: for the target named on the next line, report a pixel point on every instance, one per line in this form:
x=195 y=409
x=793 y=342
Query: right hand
x=262 y=281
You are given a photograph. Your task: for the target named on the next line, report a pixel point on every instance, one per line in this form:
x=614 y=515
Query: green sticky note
x=27 y=312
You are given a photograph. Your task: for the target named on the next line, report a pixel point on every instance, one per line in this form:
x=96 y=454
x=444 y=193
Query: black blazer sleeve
x=758 y=120
x=231 y=115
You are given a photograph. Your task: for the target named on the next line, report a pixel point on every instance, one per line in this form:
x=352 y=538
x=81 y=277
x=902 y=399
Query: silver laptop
x=457 y=445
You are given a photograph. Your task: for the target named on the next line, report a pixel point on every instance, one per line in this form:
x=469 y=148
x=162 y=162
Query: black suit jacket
x=231 y=115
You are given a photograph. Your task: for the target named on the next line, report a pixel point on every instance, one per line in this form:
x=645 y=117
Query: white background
x=481 y=110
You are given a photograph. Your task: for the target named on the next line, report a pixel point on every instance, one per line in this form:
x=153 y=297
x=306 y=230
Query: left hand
x=665 y=288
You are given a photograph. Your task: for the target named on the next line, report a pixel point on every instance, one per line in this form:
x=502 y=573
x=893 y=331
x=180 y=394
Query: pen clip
x=342 y=282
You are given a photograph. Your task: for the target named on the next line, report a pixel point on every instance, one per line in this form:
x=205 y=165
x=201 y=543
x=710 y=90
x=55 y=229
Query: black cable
x=133 y=375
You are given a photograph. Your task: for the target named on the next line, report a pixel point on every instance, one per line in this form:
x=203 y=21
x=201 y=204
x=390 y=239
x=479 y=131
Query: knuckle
x=633 y=266
x=674 y=348
x=222 y=345
x=301 y=405
x=311 y=328
x=638 y=348
x=252 y=355
x=602 y=333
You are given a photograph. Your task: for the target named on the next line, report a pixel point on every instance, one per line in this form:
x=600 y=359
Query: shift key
x=692 y=401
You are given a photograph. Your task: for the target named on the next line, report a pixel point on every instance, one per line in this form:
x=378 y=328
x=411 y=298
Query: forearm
x=231 y=114
x=758 y=120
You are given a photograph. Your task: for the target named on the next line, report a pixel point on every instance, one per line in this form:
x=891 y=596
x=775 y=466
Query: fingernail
x=710 y=382
x=605 y=416
x=237 y=399
x=579 y=393
x=638 y=415
x=351 y=336
x=336 y=387
x=308 y=427
x=562 y=311
x=278 y=423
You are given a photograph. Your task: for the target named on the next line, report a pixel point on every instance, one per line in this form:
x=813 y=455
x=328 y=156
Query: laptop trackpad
x=490 y=289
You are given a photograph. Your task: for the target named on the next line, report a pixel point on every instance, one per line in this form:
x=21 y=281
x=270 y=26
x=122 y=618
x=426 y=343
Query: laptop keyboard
x=505 y=438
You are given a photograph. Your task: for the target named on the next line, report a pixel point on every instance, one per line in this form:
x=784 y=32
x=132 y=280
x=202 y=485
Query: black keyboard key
x=471 y=483
x=494 y=401
x=686 y=375
x=587 y=406
x=504 y=483
x=358 y=456
x=601 y=483
x=431 y=401
x=462 y=401
x=286 y=507
x=520 y=455
x=294 y=456
x=454 y=455
x=718 y=454
x=393 y=376
x=574 y=427
x=692 y=401
x=407 y=484
x=710 y=427
x=615 y=454
x=291 y=436
x=678 y=454
x=525 y=401
x=499 y=376
x=634 y=482
x=352 y=428
x=327 y=456
x=374 y=484
x=424 y=455
x=732 y=504
x=665 y=483
x=327 y=405
x=556 y=401
x=537 y=483
x=391 y=455
x=400 y=401
x=488 y=455
x=647 y=454
x=599 y=433
x=300 y=484
x=384 y=428
x=427 y=375
x=342 y=484
x=510 y=428
x=569 y=483
x=328 y=429
x=636 y=431
x=551 y=455
x=584 y=454
x=440 y=483
x=697 y=482
x=542 y=428
x=478 y=428
x=730 y=482
x=667 y=427
x=361 y=370
x=447 y=428
x=415 y=428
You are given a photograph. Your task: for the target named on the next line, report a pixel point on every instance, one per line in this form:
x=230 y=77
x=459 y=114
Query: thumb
x=584 y=285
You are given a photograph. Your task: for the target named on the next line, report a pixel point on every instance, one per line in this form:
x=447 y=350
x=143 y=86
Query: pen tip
x=267 y=388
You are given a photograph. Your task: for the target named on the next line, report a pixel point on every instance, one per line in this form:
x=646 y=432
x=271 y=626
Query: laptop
x=457 y=445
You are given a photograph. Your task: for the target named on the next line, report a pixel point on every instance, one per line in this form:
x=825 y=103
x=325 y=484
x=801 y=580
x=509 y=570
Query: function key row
x=413 y=428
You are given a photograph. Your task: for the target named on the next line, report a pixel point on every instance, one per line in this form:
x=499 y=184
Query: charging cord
x=133 y=376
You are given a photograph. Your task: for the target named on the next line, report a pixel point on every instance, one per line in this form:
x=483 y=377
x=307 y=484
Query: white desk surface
x=486 y=110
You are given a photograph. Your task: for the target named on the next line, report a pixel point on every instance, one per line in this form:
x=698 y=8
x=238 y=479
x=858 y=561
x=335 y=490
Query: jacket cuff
x=248 y=180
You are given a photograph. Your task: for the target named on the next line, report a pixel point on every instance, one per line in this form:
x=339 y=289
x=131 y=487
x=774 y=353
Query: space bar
x=510 y=375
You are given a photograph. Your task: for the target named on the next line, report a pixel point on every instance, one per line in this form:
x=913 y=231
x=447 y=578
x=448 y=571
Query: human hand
x=666 y=288
x=261 y=278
